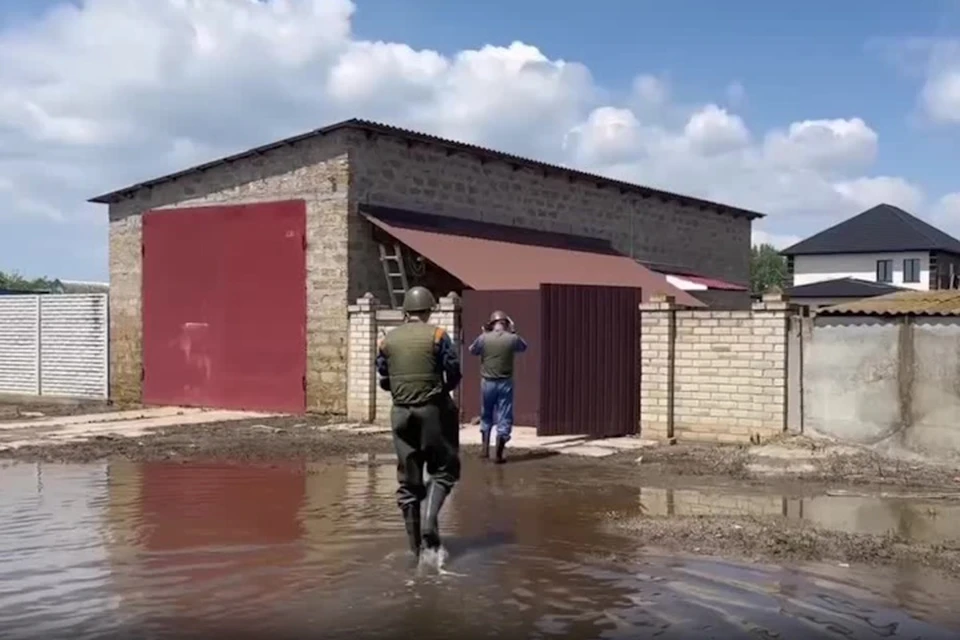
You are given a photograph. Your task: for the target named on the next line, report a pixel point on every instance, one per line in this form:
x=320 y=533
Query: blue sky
x=820 y=62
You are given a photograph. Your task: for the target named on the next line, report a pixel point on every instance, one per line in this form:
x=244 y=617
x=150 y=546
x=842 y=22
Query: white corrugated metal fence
x=54 y=345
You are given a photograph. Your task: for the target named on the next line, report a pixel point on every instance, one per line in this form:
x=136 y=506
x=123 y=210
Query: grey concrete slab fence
x=54 y=345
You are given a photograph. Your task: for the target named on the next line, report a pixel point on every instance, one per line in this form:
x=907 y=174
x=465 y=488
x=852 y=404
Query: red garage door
x=224 y=307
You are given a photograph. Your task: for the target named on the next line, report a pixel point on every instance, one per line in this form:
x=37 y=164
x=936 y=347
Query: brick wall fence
x=711 y=375
x=707 y=375
x=369 y=321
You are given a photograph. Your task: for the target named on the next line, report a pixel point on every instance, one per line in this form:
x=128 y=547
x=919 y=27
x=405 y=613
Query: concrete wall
x=888 y=382
x=389 y=172
x=716 y=376
x=370 y=321
x=863 y=266
x=314 y=170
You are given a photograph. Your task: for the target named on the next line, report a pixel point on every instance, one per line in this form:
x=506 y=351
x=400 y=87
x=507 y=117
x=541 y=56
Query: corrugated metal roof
x=486 y=263
x=424 y=138
x=693 y=276
x=944 y=302
x=714 y=283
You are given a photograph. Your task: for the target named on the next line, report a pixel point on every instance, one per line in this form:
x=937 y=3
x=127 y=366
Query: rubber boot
x=411 y=520
x=436 y=495
x=485 y=445
x=501 y=445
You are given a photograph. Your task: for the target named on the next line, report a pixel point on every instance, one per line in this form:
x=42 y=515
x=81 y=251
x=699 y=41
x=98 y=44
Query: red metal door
x=524 y=308
x=590 y=360
x=225 y=307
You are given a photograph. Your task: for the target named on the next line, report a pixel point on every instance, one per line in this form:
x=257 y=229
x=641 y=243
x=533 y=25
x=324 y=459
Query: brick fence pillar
x=772 y=315
x=657 y=340
x=361 y=379
x=447 y=315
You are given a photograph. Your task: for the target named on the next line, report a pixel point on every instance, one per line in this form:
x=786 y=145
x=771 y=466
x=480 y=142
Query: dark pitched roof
x=882 y=229
x=841 y=288
x=376 y=128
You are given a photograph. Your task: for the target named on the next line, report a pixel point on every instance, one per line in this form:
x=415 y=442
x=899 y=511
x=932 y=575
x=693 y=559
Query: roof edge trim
x=376 y=128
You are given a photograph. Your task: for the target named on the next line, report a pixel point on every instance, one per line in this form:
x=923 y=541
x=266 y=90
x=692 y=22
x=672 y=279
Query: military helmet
x=418 y=300
x=498 y=316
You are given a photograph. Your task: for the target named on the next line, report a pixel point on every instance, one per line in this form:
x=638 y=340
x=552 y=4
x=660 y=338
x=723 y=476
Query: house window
x=884 y=270
x=911 y=270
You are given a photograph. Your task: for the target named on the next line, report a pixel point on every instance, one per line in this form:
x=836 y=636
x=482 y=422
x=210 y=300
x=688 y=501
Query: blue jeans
x=497 y=407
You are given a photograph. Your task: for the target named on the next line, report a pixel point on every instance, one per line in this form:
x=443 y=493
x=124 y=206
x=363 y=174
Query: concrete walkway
x=527 y=438
x=123 y=424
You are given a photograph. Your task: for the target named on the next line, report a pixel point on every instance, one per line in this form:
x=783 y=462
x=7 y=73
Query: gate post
x=657 y=358
x=361 y=350
x=447 y=315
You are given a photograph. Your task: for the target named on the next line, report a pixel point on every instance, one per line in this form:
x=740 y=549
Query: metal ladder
x=395 y=272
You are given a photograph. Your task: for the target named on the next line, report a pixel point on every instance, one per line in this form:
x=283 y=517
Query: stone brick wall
x=389 y=172
x=370 y=320
x=314 y=170
x=717 y=376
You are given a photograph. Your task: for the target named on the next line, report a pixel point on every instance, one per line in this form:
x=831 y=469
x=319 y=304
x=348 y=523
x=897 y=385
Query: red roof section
x=713 y=283
x=490 y=263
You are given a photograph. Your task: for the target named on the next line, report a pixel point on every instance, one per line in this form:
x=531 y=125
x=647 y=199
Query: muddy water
x=163 y=549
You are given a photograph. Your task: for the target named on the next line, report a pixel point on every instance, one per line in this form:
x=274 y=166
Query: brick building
x=337 y=176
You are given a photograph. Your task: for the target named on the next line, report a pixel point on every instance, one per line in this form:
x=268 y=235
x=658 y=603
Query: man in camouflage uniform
x=497 y=345
x=419 y=366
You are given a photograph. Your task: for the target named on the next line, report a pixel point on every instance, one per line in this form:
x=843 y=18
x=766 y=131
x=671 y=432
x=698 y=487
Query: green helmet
x=418 y=300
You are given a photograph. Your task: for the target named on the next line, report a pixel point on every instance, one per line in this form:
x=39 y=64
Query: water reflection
x=927 y=521
x=286 y=549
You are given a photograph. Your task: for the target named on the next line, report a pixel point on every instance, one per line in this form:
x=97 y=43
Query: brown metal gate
x=590 y=360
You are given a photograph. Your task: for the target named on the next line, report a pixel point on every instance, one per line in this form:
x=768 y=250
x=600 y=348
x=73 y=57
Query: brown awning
x=486 y=263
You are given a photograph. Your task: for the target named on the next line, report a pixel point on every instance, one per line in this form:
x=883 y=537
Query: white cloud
x=182 y=81
x=946 y=211
x=778 y=240
x=940 y=95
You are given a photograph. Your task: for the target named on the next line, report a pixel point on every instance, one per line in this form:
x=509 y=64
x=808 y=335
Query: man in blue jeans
x=497 y=345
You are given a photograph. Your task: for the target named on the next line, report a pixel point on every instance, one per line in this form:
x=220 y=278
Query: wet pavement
x=318 y=548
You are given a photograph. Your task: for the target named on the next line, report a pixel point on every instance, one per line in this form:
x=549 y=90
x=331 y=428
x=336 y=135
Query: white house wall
x=863 y=266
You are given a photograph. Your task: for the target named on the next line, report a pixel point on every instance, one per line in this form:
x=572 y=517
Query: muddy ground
x=299 y=438
x=771 y=539
x=14 y=408
x=777 y=539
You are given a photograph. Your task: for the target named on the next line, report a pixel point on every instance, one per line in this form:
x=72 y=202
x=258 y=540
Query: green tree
x=767 y=269
x=16 y=282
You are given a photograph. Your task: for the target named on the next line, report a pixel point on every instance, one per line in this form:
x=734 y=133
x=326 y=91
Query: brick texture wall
x=389 y=172
x=721 y=375
x=316 y=171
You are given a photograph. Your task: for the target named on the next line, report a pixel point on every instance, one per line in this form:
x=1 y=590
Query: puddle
x=912 y=518
x=162 y=549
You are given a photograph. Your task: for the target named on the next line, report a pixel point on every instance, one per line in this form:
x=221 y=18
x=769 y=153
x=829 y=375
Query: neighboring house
x=827 y=293
x=885 y=245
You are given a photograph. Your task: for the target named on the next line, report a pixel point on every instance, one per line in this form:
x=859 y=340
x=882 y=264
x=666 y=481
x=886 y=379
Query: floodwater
x=161 y=549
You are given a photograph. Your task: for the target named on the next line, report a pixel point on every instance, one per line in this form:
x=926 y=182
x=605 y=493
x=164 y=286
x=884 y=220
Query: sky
x=808 y=114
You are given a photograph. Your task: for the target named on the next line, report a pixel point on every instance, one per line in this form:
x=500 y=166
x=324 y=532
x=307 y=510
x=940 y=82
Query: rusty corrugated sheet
x=524 y=308
x=590 y=360
x=488 y=264
x=944 y=302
